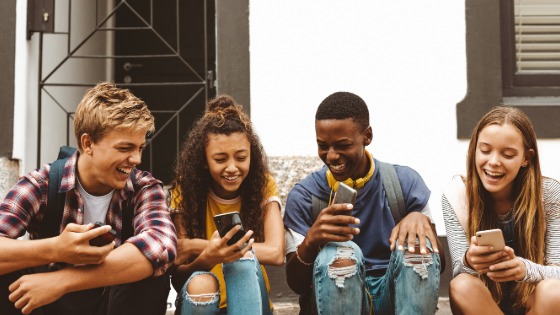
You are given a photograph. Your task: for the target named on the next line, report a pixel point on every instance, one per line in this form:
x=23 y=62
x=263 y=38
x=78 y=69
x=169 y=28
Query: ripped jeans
x=245 y=289
x=409 y=286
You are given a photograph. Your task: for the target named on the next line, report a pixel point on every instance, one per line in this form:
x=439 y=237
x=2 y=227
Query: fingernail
x=436 y=250
x=423 y=251
x=357 y=221
x=411 y=249
x=357 y=230
x=401 y=247
x=349 y=206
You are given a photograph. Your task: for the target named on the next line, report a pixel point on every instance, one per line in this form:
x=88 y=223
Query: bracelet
x=301 y=260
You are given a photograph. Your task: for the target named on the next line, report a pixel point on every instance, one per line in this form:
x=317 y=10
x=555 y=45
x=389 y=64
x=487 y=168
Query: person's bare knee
x=342 y=266
x=546 y=297
x=202 y=288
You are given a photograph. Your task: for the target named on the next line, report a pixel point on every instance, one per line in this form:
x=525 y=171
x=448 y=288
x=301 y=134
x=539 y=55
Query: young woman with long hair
x=222 y=168
x=504 y=189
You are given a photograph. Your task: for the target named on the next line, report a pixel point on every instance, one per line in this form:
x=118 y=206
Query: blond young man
x=126 y=276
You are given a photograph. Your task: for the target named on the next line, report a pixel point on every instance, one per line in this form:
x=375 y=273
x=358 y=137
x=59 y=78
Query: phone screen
x=225 y=222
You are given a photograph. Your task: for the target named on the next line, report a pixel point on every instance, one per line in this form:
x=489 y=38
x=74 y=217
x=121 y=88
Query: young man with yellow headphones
x=347 y=264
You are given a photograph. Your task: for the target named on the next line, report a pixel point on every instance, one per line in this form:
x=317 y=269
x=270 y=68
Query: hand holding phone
x=493 y=238
x=102 y=239
x=225 y=222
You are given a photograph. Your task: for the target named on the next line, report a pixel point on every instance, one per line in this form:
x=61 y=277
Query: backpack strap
x=128 y=213
x=50 y=226
x=393 y=190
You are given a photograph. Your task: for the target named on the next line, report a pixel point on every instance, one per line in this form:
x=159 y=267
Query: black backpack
x=395 y=197
x=50 y=225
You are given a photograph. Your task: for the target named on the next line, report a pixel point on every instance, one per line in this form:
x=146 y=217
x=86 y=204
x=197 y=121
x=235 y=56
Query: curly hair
x=343 y=105
x=192 y=178
x=530 y=221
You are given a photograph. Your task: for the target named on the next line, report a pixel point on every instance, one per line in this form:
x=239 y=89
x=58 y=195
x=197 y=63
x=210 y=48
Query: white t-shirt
x=95 y=207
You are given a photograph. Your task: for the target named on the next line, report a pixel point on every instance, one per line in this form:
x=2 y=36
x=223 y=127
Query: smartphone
x=225 y=222
x=345 y=194
x=493 y=238
x=102 y=239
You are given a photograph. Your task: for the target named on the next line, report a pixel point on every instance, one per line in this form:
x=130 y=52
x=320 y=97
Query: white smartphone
x=493 y=238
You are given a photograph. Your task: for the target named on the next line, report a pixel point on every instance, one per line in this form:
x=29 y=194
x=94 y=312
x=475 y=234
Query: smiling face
x=229 y=159
x=341 y=145
x=106 y=165
x=499 y=156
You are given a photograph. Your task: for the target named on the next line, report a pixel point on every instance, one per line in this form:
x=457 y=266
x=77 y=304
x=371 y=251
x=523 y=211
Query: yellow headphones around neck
x=358 y=183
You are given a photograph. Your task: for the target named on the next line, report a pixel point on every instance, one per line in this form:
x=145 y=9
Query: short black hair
x=344 y=105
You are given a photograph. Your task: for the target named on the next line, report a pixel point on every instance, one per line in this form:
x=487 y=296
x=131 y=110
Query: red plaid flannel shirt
x=154 y=233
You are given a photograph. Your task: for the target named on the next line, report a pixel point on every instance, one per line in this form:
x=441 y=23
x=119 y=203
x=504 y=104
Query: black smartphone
x=102 y=239
x=225 y=222
x=345 y=194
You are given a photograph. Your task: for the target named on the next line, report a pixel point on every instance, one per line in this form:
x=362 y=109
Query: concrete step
x=293 y=308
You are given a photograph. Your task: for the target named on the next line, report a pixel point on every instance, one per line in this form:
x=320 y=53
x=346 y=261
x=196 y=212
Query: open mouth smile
x=125 y=171
x=231 y=178
x=494 y=175
x=337 y=168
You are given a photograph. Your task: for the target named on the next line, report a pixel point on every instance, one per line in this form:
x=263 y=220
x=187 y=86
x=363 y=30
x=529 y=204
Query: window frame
x=515 y=84
x=486 y=75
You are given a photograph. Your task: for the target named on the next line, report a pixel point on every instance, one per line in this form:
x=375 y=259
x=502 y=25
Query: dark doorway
x=166 y=56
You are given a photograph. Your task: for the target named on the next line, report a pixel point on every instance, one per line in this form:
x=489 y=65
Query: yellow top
x=216 y=205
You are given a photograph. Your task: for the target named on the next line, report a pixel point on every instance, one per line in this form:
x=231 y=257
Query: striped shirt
x=154 y=233
x=458 y=242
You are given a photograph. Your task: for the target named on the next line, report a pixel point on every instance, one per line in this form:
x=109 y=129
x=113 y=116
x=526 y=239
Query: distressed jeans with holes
x=410 y=285
x=339 y=290
x=245 y=288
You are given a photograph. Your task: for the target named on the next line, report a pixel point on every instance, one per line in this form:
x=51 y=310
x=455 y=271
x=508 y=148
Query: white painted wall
x=77 y=71
x=405 y=58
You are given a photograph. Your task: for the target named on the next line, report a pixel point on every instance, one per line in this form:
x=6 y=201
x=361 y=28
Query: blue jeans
x=410 y=284
x=245 y=288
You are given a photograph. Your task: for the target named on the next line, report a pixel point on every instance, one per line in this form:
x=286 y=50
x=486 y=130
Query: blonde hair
x=530 y=221
x=105 y=107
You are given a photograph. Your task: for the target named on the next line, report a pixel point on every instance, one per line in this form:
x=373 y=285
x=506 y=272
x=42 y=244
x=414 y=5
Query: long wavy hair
x=192 y=178
x=528 y=213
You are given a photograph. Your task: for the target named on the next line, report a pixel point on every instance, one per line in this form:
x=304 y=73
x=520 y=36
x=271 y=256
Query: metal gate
x=163 y=51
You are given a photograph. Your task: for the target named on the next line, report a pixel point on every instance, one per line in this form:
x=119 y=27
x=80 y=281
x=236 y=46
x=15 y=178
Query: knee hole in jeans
x=342 y=266
x=419 y=262
x=202 y=288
